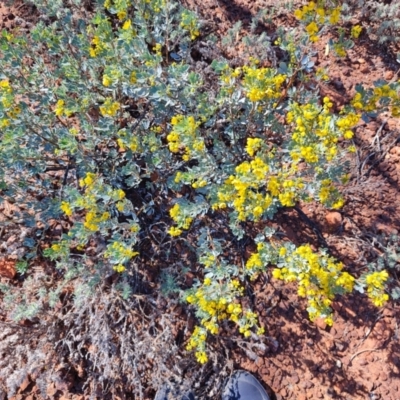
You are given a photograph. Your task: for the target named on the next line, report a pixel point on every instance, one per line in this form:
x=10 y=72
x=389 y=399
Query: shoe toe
x=244 y=386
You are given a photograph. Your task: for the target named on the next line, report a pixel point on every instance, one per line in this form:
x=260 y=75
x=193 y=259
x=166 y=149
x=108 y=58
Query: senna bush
x=116 y=105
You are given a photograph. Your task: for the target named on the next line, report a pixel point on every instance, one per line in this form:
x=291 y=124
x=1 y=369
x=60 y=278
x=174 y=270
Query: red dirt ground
x=359 y=357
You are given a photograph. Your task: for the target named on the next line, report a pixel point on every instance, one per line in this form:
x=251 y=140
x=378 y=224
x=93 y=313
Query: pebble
x=389 y=75
x=333 y=220
x=364 y=69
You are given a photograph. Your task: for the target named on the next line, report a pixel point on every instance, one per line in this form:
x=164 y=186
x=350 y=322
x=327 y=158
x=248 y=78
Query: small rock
x=383 y=376
x=295 y=378
x=51 y=390
x=389 y=75
x=333 y=220
x=307 y=384
x=320 y=322
x=24 y=384
x=361 y=61
x=346 y=71
x=364 y=69
x=339 y=346
x=338 y=84
x=7 y=268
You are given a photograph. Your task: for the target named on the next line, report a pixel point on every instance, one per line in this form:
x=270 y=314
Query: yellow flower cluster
x=119 y=268
x=6 y=93
x=243 y=190
x=66 y=208
x=185 y=138
x=121 y=251
x=379 y=98
x=345 y=124
x=216 y=309
x=254 y=263
x=88 y=180
x=5 y=86
x=229 y=75
x=7 y=99
x=109 y=107
x=313 y=134
x=356 y=31
x=317 y=12
x=215 y=302
x=253 y=145
x=190 y=23
x=375 y=282
x=128 y=140
x=248 y=321
x=97 y=47
x=61 y=248
x=181 y=218
x=107 y=81
x=319 y=279
x=329 y=195
x=95 y=216
x=60 y=109
x=321 y=74
x=197 y=341
x=93 y=220
x=14 y=112
x=262 y=84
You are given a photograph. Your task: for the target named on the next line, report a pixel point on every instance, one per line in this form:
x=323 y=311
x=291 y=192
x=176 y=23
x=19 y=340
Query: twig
x=362 y=351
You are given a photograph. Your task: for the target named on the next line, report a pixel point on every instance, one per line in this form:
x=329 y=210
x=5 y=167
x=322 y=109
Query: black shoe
x=244 y=386
x=166 y=393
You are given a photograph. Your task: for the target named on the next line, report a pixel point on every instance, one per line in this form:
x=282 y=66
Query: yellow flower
x=174 y=211
x=348 y=134
x=107 y=80
x=201 y=357
x=260 y=331
x=56 y=247
x=132 y=78
x=5 y=86
x=59 y=108
x=120 y=194
x=356 y=31
x=253 y=145
x=109 y=108
x=121 y=15
x=299 y=14
x=277 y=273
x=335 y=16
x=88 y=180
x=338 y=204
x=127 y=24
x=4 y=122
x=255 y=94
x=174 y=231
x=66 y=208
x=119 y=268
x=312 y=28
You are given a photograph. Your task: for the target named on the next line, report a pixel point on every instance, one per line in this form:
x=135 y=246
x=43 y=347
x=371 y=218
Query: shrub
x=147 y=146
